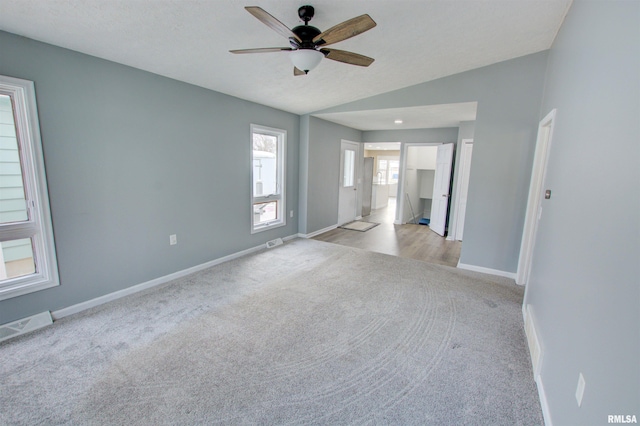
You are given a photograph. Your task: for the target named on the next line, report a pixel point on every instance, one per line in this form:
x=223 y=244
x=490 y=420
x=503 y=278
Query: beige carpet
x=304 y=333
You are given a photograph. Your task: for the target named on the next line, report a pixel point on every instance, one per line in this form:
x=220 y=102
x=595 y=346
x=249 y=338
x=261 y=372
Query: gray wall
x=323 y=171
x=132 y=157
x=440 y=135
x=585 y=280
x=508 y=95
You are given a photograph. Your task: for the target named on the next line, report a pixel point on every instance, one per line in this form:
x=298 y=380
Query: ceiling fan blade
x=272 y=22
x=297 y=72
x=262 y=50
x=345 y=30
x=347 y=57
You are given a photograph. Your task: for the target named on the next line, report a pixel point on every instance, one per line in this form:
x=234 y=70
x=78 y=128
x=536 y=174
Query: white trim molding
x=74 y=309
x=535 y=198
x=279 y=193
x=536 y=351
x=321 y=231
x=36 y=227
x=484 y=270
x=544 y=405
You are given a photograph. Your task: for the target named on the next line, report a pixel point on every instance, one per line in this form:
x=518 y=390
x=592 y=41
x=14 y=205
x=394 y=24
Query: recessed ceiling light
x=398 y=121
x=377 y=147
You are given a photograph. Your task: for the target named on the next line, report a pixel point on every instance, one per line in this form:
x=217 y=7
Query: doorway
x=424 y=192
x=405 y=240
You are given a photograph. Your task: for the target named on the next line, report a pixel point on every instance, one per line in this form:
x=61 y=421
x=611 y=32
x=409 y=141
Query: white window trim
x=39 y=224
x=282 y=178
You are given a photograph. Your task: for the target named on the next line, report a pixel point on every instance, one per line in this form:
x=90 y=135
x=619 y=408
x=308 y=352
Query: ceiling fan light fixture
x=305 y=59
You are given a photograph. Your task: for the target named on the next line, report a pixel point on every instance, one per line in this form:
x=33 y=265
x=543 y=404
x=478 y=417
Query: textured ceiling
x=188 y=40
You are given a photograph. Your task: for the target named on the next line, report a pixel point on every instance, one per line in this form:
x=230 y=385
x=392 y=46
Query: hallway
x=411 y=241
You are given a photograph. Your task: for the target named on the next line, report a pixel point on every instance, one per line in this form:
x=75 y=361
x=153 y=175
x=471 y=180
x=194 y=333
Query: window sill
x=267 y=226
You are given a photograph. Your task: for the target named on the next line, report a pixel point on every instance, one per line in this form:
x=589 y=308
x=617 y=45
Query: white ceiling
x=422 y=117
x=415 y=41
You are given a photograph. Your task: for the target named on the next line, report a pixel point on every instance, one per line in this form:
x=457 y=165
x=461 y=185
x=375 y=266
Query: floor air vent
x=25 y=325
x=273 y=243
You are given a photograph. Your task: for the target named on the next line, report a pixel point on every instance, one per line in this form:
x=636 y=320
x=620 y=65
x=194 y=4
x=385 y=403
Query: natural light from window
x=267 y=157
x=27 y=255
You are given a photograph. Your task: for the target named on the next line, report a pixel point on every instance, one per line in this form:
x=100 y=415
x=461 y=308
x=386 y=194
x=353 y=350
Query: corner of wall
x=303 y=174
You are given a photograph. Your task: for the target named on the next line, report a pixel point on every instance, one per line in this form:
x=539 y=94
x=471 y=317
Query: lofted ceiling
x=189 y=40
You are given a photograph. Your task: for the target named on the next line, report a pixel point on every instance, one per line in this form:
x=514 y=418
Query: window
x=268 y=153
x=349 y=171
x=27 y=254
x=388 y=170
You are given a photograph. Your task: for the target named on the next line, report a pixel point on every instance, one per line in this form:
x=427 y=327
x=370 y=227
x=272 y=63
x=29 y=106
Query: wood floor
x=412 y=241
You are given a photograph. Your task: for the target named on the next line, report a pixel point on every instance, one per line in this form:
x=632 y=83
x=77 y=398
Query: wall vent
x=25 y=325
x=532 y=340
x=273 y=243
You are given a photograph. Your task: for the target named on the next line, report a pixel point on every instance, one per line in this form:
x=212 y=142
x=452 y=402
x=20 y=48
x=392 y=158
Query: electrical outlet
x=291 y=213
x=580 y=389
x=173 y=239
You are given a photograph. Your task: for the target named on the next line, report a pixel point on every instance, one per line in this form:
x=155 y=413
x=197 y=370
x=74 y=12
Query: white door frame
x=534 y=203
x=465 y=155
x=356 y=182
x=404 y=149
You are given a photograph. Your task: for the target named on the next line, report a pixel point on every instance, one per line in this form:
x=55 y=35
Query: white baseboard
x=487 y=270
x=74 y=309
x=530 y=327
x=546 y=414
x=321 y=231
x=533 y=340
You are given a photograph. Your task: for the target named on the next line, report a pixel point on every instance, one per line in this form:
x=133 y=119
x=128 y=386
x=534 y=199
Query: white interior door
x=348 y=194
x=467 y=150
x=441 y=185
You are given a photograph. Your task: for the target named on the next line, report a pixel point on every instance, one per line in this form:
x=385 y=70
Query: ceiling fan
x=307 y=42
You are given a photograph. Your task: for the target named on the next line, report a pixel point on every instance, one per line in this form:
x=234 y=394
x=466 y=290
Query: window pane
x=13 y=206
x=268 y=156
x=349 y=167
x=16 y=259
x=265 y=164
x=265 y=212
x=394 y=169
x=382 y=172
